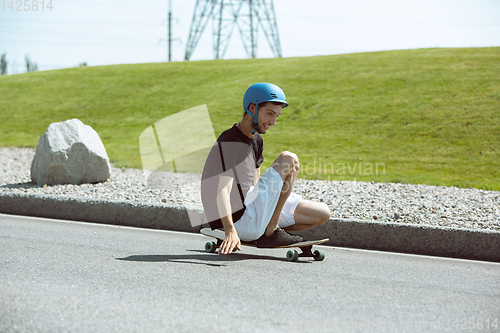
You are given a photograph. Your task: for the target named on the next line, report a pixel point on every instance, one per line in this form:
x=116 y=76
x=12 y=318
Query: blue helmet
x=263 y=92
x=260 y=93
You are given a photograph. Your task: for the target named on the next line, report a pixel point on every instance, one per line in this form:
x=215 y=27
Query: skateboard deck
x=292 y=255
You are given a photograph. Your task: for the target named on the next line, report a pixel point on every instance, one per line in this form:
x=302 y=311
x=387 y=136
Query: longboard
x=291 y=255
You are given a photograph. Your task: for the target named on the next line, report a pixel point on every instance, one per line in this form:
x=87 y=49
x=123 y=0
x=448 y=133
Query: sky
x=106 y=32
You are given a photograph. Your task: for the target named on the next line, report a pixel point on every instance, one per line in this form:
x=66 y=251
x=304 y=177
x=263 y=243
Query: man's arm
x=224 y=206
x=256 y=176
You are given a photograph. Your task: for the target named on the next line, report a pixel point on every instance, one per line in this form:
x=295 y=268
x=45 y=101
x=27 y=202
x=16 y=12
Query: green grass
x=420 y=116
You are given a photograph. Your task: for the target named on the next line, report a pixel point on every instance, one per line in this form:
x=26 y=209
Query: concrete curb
x=394 y=237
x=410 y=238
x=130 y=214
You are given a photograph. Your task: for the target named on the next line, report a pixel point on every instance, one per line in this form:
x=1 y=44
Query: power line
x=104 y=4
x=80 y=43
x=57 y=22
x=118 y=2
x=63 y=34
x=302 y=18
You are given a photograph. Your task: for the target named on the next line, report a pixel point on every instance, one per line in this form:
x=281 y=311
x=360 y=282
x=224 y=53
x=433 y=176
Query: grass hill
x=415 y=116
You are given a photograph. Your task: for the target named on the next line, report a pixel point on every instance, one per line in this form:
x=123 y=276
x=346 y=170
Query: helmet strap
x=255 y=117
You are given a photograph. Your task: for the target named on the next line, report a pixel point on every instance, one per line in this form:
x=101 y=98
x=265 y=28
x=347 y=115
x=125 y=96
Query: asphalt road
x=61 y=276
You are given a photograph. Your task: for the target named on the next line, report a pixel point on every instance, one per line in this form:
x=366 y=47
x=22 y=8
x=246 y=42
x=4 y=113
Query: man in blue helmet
x=251 y=207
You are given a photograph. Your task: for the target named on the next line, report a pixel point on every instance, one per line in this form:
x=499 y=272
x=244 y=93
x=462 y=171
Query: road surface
x=62 y=276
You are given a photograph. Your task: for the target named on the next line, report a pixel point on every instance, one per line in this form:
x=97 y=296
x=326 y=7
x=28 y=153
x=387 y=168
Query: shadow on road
x=202 y=258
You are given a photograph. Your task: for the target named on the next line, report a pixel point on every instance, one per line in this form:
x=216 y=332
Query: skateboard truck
x=293 y=255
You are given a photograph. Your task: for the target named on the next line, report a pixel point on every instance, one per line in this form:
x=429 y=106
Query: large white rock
x=70 y=152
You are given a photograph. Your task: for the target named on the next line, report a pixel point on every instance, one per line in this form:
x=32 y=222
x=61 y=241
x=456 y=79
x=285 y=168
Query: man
x=235 y=197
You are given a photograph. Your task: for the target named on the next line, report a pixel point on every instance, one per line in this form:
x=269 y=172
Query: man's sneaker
x=279 y=238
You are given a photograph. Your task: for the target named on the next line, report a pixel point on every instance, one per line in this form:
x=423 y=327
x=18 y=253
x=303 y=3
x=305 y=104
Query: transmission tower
x=169 y=38
x=246 y=15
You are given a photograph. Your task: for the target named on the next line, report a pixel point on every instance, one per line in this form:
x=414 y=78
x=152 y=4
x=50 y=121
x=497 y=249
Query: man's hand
x=230 y=242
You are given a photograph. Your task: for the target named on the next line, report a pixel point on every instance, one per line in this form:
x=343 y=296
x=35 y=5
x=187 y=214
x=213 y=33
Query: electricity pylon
x=247 y=15
x=169 y=38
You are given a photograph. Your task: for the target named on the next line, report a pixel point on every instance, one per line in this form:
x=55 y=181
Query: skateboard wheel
x=210 y=247
x=319 y=255
x=292 y=255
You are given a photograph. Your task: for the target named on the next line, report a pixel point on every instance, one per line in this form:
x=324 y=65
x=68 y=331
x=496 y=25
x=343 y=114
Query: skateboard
x=291 y=255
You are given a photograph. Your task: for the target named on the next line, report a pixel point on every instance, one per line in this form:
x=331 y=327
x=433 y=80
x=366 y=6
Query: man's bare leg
x=287 y=165
x=309 y=214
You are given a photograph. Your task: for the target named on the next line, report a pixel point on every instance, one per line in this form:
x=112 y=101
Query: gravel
x=382 y=202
